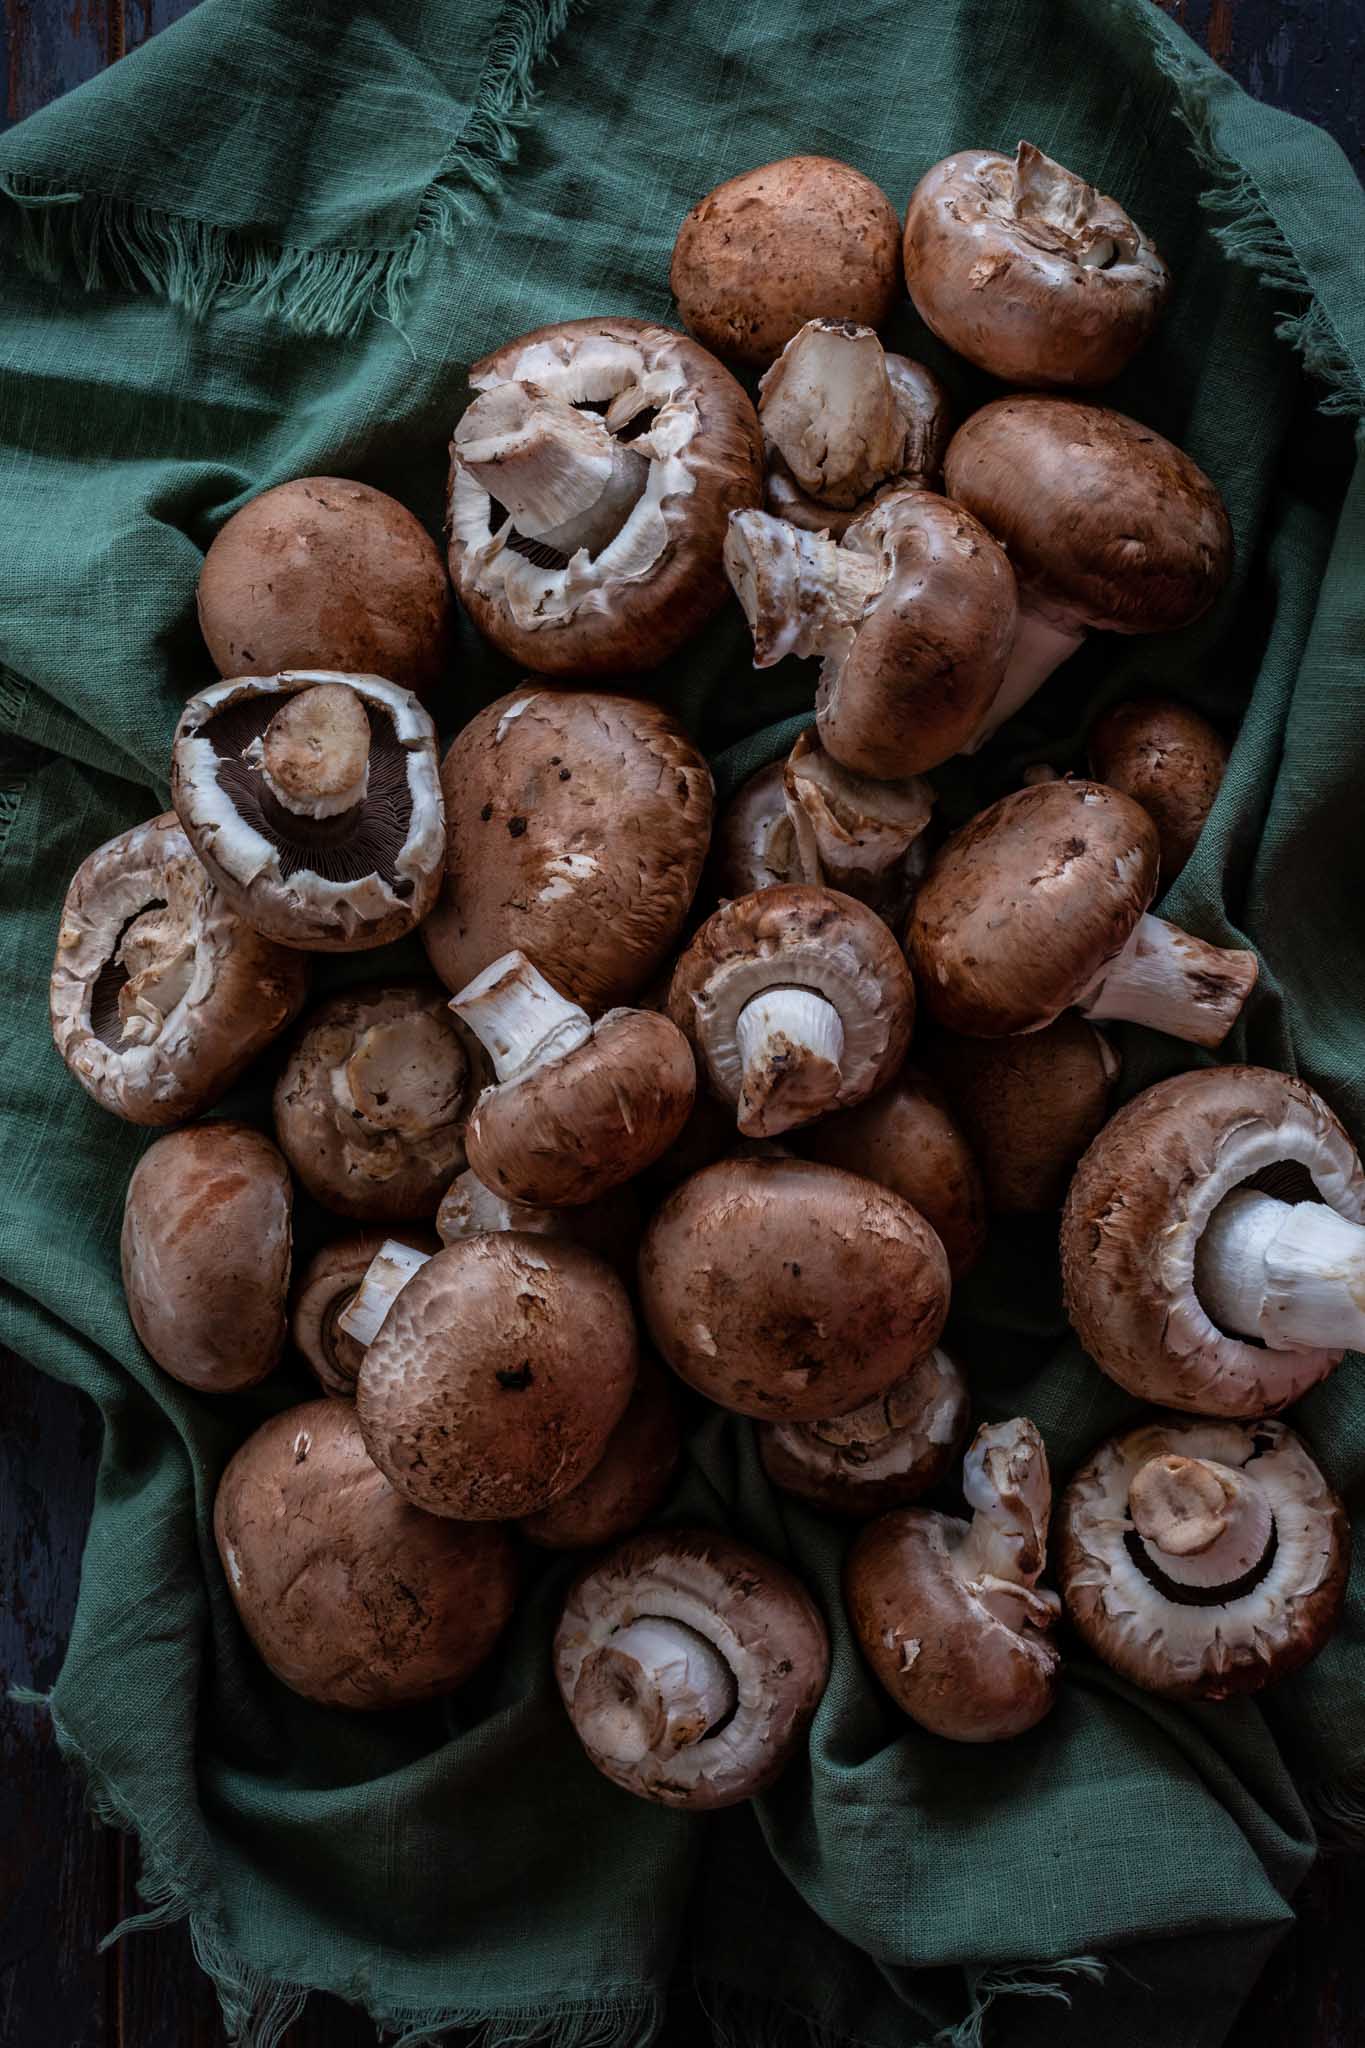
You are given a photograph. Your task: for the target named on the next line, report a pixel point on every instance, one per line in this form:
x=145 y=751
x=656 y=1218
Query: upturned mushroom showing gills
x=314 y=801
x=349 y=1595
x=323 y=1292
x=577 y=824
x=912 y=613
x=1038 y=905
x=690 y=1666
x=590 y=482
x=161 y=994
x=629 y=1480
x=798 y=1000
x=1109 y=528
x=1169 y=760
x=1027 y=271
x=1186 y=1281
x=1203 y=1559
x=949 y=1613
x=783 y=1289
x=888 y=1452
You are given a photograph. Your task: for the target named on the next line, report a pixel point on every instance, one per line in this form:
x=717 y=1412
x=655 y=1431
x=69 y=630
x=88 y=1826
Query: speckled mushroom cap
x=758 y=1619
x=888 y=1452
x=1169 y=760
x=205 y=1251
x=638 y=598
x=1106 y=523
x=324 y=1291
x=1212 y=1642
x=334 y=884
x=781 y=1288
x=629 y=1480
x=498 y=1376
x=577 y=824
x=1027 y=271
x=353 y=1598
x=1139 y=1202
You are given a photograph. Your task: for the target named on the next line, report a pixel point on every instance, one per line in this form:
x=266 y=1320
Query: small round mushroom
x=888 y=1452
x=859 y=833
x=780 y=1288
x=1166 y=758
x=590 y=482
x=1188 y=1285
x=370 y=1108
x=690 y=1666
x=349 y=1595
x=577 y=824
x=1109 y=527
x=1203 y=1559
x=609 y=1227
x=325 y=1290
x=798 y=1000
x=578 y=1108
x=791 y=241
x=949 y=1613
x=314 y=801
x=913 y=615
x=162 y=995
x=326 y=573
x=629 y=1480
x=1038 y=905
x=205 y=1251
x=1029 y=272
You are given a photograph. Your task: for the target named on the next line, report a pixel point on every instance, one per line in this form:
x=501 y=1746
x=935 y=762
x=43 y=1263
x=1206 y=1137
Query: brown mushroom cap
x=577 y=825
x=1169 y=760
x=352 y=1597
x=629 y=1480
x=205 y=1249
x=1205 y=1642
x=609 y=1227
x=498 y=1376
x=324 y=1291
x=162 y=995
x=888 y=1452
x=754 y=846
x=777 y=246
x=781 y=1288
x=1104 y=521
x=327 y=573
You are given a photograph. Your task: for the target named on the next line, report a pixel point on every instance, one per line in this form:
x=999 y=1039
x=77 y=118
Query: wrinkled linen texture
x=266 y=246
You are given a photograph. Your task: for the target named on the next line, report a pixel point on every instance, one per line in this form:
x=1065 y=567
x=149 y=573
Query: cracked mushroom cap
x=205 y=1251
x=577 y=824
x=313 y=799
x=162 y=995
x=498 y=1376
x=629 y=1480
x=325 y=1290
x=888 y=1452
x=1203 y=1559
x=590 y=483
x=350 y=1596
x=690 y=1666
x=1027 y=271
x=787 y=1290
x=1168 y=759
x=1139 y=1203
x=326 y=573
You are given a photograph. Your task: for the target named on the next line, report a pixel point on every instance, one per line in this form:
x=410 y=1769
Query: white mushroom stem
x=1009 y=1489
x=1201 y=1523
x=314 y=756
x=1040 y=646
x=790 y=1041
x=850 y=830
x=653 y=1689
x=469 y=1209
x=407 y=1075
x=1171 y=982
x=801 y=592
x=520 y=1019
x=387 y=1274
x=562 y=474
x=1292 y=1274
x=828 y=407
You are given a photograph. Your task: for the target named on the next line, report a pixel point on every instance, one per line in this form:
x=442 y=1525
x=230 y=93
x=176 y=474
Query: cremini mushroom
x=690 y=1666
x=349 y=1595
x=754 y=845
x=590 y=482
x=314 y=801
x=859 y=833
x=949 y=1613
x=1029 y=272
x=1169 y=760
x=577 y=1108
x=1186 y=1281
x=370 y=1108
x=161 y=994
x=326 y=573
x=798 y=1000
x=780 y=1288
x=323 y=1292
x=888 y=1452
x=577 y=824
x=629 y=1480
x=1202 y=1559
x=205 y=1252
x=1038 y=905
x=610 y=1226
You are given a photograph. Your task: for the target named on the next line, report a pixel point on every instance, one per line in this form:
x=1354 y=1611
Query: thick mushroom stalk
x=1044 y=638
x=1290 y=1274
x=1201 y=1523
x=801 y=592
x=520 y=1019
x=1008 y=1487
x=655 y=1688
x=561 y=473
x=829 y=408
x=1172 y=982
x=314 y=756
x=790 y=1042
x=388 y=1273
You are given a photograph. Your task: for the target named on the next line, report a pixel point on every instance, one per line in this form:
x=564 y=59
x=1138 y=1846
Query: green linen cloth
x=265 y=246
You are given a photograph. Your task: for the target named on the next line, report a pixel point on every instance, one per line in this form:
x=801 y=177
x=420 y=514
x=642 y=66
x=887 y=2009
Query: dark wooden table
x=64 y=1883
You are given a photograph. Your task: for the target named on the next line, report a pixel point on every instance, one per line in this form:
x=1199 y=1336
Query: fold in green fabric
x=265 y=246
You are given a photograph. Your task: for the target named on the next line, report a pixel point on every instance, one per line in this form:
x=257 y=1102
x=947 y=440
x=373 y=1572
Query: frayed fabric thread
x=991 y=1985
